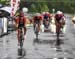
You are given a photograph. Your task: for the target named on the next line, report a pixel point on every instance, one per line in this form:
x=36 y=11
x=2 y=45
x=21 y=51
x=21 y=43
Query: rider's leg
x=25 y=30
x=34 y=26
x=39 y=27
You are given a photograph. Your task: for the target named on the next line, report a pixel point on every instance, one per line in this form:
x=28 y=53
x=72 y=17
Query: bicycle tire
x=21 y=38
x=58 y=27
x=20 y=52
x=21 y=44
x=36 y=30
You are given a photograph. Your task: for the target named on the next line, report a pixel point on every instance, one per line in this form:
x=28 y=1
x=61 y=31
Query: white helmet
x=37 y=14
x=43 y=12
x=59 y=12
x=47 y=12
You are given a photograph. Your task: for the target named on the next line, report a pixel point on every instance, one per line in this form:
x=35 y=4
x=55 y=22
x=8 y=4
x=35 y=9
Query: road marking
x=59 y=58
x=55 y=58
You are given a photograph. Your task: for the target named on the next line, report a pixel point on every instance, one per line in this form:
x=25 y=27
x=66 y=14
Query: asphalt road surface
x=43 y=48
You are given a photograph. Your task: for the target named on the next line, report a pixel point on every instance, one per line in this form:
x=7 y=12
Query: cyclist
x=59 y=20
x=21 y=22
x=46 y=19
x=37 y=20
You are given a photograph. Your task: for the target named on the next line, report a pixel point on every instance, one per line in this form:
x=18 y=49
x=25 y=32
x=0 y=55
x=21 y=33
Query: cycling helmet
x=59 y=12
x=43 y=12
x=37 y=14
x=47 y=12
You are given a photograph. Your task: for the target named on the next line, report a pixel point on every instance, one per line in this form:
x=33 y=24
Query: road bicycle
x=21 y=37
x=36 y=29
x=58 y=30
x=21 y=52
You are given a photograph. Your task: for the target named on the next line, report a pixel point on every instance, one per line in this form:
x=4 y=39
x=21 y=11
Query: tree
x=67 y=6
x=33 y=8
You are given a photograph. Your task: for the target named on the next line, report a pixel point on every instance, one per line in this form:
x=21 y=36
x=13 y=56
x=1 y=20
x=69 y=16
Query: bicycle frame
x=21 y=38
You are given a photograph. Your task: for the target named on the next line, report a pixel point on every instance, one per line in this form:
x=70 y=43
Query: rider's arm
x=16 y=21
x=63 y=17
x=25 y=21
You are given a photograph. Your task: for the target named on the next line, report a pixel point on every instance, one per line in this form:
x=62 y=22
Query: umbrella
x=7 y=9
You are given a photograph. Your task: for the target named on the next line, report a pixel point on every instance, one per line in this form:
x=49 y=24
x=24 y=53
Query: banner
x=14 y=6
x=1 y=24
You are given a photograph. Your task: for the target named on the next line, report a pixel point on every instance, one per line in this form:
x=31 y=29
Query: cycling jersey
x=45 y=16
x=21 y=21
x=58 y=17
x=37 y=19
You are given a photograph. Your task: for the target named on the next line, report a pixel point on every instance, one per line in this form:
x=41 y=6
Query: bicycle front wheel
x=36 y=31
x=58 y=27
x=21 y=44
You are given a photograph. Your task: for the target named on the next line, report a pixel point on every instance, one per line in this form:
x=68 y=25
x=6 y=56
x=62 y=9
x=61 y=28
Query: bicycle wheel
x=20 y=52
x=58 y=27
x=36 y=30
x=21 y=38
x=21 y=44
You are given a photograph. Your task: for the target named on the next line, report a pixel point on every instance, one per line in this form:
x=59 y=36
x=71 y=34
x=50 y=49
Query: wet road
x=44 y=48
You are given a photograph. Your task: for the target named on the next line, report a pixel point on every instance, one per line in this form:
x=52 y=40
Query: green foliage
x=33 y=8
x=67 y=6
x=38 y=6
x=4 y=2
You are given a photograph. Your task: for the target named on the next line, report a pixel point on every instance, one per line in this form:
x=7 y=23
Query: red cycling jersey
x=58 y=17
x=37 y=18
x=23 y=19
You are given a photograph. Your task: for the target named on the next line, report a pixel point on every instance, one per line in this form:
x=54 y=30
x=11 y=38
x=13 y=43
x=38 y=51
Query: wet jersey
x=58 y=17
x=21 y=21
x=37 y=19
